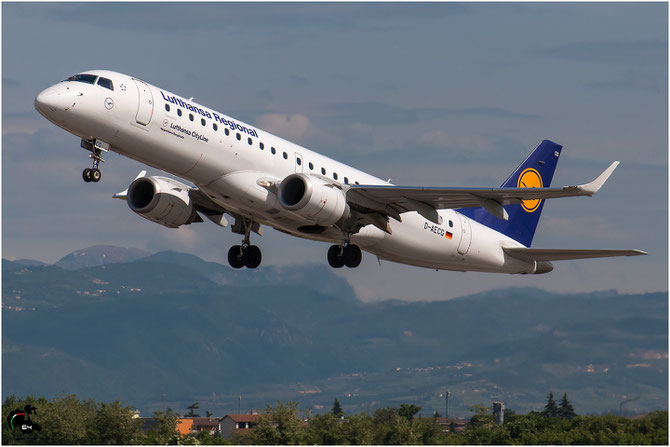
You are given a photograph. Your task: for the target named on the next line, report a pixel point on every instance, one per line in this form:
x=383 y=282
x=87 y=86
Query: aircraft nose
x=46 y=102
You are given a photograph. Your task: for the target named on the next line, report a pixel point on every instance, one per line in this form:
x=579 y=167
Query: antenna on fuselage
x=190 y=99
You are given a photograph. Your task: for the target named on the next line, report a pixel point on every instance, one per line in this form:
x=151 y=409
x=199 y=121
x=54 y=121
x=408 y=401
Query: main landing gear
x=248 y=256
x=341 y=255
x=245 y=255
x=96 y=148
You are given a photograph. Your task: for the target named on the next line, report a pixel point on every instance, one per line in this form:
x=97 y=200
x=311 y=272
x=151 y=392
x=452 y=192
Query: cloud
x=10 y=82
x=230 y=17
x=441 y=139
x=630 y=82
x=633 y=53
x=380 y=113
x=289 y=126
x=24 y=123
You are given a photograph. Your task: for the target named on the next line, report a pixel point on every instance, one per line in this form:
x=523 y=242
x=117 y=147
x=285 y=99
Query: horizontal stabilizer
x=558 y=254
x=594 y=186
x=423 y=198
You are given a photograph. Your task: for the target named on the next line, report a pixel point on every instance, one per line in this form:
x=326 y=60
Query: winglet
x=594 y=186
x=123 y=195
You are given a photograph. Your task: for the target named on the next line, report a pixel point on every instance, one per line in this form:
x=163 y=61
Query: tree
x=191 y=413
x=280 y=425
x=408 y=411
x=208 y=413
x=508 y=412
x=565 y=410
x=551 y=409
x=327 y=429
x=165 y=432
x=436 y=414
x=337 y=409
x=115 y=424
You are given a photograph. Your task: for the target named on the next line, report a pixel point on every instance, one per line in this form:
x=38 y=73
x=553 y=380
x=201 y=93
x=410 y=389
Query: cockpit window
x=86 y=78
x=107 y=83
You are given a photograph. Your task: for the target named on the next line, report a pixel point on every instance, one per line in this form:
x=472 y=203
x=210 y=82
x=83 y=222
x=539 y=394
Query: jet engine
x=161 y=200
x=313 y=198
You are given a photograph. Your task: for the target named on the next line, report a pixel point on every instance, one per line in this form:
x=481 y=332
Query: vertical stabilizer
x=536 y=171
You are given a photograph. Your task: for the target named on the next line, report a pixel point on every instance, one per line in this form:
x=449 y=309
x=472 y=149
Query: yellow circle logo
x=530 y=178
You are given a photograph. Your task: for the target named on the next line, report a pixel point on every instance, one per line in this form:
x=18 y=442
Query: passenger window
x=167 y=107
x=250 y=141
x=323 y=171
x=311 y=166
x=451 y=224
x=107 y=83
x=299 y=161
x=346 y=181
x=179 y=112
x=335 y=175
x=261 y=145
x=215 y=127
x=227 y=132
x=357 y=183
x=190 y=116
x=285 y=155
x=202 y=121
x=238 y=136
x=273 y=150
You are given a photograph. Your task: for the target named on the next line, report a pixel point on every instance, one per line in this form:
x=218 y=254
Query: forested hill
x=172 y=324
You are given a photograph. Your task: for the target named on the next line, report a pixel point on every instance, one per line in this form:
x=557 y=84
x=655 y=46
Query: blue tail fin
x=536 y=171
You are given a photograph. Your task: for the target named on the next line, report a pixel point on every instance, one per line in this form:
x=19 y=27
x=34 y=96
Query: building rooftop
x=242 y=417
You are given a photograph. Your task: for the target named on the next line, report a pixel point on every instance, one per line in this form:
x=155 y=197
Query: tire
x=252 y=256
x=352 y=256
x=95 y=175
x=86 y=175
x=235 y=257
x=334 y=258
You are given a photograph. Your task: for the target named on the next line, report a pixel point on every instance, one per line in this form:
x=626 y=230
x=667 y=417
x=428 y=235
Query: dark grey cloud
x=190 y=17
x=10 y=82
x=377 y=113
x=631 y=82
x=619 y=52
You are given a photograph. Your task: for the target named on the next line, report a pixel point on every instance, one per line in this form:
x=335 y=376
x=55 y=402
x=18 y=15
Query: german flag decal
x=448 y=235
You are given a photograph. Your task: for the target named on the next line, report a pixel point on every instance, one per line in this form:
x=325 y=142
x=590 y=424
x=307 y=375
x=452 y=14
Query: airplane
x=257 y=178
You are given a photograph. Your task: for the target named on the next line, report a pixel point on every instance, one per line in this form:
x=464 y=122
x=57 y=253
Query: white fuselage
x=142 y=122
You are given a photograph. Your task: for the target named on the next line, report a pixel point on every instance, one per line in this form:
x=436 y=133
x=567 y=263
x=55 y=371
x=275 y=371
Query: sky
x=438 y=94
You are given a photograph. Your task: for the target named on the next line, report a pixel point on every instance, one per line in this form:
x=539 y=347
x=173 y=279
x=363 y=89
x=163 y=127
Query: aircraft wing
x=395 y=200
x=557 y=254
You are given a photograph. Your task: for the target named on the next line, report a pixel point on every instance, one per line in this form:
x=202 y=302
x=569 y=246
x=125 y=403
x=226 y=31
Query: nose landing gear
x=91 y=175
x=96 y=148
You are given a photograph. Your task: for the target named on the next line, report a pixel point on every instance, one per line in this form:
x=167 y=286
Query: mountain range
x=168 y=329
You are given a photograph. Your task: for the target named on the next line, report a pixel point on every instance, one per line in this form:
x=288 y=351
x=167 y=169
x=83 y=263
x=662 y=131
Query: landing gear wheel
x=235 y=257
x=352 y=256
x=252 y=256
x=86 y=175
x=95 y=175
x=335 y=258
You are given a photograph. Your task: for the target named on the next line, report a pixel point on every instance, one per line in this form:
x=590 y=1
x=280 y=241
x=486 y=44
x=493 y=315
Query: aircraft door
x=299 y=163
x=466 y=234
x=145 y=106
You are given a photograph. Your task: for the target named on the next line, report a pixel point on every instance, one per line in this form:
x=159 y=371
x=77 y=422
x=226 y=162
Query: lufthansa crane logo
x=530 y=178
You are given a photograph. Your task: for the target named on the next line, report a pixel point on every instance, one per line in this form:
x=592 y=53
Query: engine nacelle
x=313 y=198
x=161 y=200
